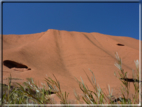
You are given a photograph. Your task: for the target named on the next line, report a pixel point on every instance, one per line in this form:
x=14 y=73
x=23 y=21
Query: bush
x=30 y=93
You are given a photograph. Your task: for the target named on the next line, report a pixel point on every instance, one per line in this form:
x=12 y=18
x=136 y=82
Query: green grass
x=30 y=93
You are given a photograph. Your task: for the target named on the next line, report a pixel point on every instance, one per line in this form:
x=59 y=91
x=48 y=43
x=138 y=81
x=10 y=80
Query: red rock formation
x=67 y=55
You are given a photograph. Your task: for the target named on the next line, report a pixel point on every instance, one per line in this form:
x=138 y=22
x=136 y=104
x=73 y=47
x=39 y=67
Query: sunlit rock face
x=68 y=55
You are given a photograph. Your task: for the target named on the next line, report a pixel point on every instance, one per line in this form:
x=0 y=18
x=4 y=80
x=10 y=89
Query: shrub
x=29 y=92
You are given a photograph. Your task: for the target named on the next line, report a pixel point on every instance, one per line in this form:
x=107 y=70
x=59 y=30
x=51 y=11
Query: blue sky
x=118 y=19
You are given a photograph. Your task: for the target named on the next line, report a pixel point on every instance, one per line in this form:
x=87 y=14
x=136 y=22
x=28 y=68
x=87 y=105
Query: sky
x=118 y=19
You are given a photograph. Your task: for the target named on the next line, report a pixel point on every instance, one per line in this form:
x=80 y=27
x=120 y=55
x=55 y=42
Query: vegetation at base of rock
x=30 y=93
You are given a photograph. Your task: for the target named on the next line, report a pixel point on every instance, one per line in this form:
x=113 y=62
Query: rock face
x=67 y=55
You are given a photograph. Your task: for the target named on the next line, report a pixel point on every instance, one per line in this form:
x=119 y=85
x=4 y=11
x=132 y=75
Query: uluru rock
x=67 y=55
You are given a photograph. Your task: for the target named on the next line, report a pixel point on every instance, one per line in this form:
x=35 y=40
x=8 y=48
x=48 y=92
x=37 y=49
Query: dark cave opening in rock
x=119 y=44
x=12 y=64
